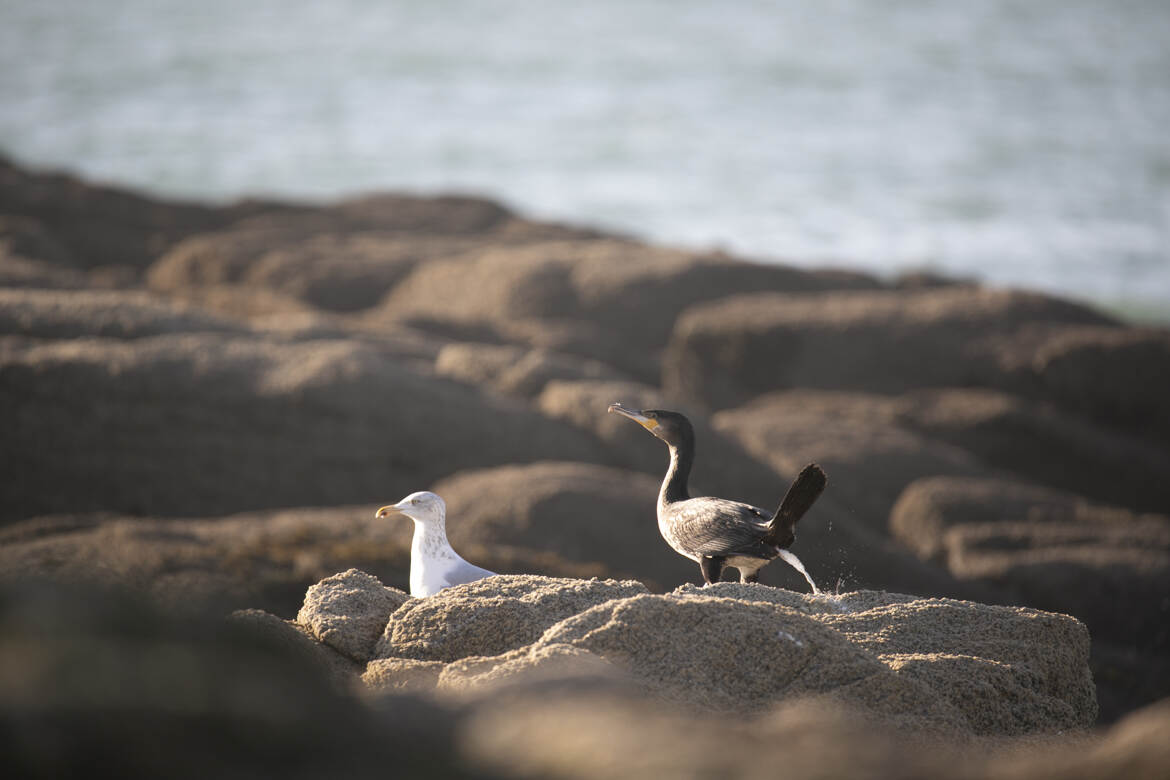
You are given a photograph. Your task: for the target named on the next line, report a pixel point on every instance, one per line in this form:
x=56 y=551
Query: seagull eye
x=414 y=500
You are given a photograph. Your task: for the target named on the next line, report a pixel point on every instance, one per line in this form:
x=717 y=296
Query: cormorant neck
x=674 y=487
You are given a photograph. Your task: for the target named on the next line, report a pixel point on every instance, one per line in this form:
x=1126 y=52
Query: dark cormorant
x=714 y=531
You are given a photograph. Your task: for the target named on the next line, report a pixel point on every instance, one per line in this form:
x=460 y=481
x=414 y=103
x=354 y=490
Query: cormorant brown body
x=717 y=532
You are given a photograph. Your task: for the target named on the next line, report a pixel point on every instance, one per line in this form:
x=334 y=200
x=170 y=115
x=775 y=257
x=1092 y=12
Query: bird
x=716 y=532
x=433 y=564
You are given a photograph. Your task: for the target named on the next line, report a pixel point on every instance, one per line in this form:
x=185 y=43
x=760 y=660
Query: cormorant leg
x=749 y=576
x=712 y=568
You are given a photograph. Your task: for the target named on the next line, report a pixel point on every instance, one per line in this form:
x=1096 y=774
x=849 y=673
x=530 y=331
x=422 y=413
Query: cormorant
x=716 y=532
x=433 y=564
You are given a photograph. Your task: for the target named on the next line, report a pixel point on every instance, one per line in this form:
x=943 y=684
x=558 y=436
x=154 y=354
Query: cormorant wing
x=717 y=527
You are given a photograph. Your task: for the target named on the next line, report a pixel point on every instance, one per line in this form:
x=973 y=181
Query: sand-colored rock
x=331 y=271
x=1050 y=548
x=342 y=669
x=513 y=370
x=725 y=352
x=532 y=665
x=402 y=674
x=108 y=314
x=1107 y=566
x=875 y=445
x=1113 y=375
x=491 y=617
x=723 y=466
x=577 y=296
x=580 y=511
x=348 y=612
x=933 y=665
x=195 y=424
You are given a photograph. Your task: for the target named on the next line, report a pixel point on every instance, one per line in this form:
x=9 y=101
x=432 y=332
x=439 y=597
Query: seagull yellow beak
x=649 y=423
x=387 y=510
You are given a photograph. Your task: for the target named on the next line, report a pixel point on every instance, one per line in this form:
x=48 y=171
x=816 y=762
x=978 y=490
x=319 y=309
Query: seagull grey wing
x=466 y=572
x=716 y=527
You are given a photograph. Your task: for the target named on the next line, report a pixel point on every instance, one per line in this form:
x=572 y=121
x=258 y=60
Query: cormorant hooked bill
x=716 y=532
x=433 y=564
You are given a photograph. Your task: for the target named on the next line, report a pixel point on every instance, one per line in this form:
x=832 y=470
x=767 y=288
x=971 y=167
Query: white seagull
x=433 y=564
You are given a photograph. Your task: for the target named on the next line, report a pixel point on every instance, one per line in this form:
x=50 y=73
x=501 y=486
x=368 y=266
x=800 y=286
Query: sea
x=1018 y=142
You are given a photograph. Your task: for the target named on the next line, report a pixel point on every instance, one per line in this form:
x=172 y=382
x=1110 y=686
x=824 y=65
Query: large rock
x=196 y=424
x=1113 y=375
x=927 y=664
x=261 y=559
x=612 y=300
x=492 y=616
x=580 y=511
x=513 y=370
x=1052 y=549
x=89 y=314
x=875 y=445
x=725 y=352
x=336 y=272
x=101 y=677
x=723 y=467
x=1058 y=551
x=349 y=611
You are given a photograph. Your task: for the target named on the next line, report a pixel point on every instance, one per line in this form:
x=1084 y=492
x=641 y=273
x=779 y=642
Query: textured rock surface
x=726 y=352
x=928 y=664
x=212 y=423
x=348 y=612
x=489 y=617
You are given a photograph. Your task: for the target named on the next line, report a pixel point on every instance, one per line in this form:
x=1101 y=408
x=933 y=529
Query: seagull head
x=425 y=507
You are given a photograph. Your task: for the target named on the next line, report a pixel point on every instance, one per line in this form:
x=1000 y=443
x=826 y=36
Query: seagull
x=433 y=564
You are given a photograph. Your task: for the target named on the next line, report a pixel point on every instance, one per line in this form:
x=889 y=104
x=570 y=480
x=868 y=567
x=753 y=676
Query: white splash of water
x=795 y=563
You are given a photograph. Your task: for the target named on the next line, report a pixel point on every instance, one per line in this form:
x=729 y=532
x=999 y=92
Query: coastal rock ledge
x=923 y=664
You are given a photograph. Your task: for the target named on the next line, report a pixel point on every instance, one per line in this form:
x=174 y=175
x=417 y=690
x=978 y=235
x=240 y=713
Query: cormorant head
x=672 y=427
x=423 y=506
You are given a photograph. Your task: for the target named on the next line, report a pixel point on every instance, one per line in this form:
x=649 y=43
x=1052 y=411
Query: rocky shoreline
x=205 y=405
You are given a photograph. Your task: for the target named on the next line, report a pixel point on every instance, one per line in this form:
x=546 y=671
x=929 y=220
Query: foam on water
x=795 y=563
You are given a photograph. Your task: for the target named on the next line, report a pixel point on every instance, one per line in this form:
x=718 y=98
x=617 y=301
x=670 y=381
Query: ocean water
x=1021 y=142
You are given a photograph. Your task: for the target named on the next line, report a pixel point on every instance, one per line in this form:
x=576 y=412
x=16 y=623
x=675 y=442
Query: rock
x=927 y=664
x=725 y=352
x=402 y=674
x=876 y=445
x=490 y=617
x=1057 y=551
x=868 y=453
x=340 y=272
x=265 y=558
x=349 y=611
x=91 y=314
x=1111 y=375
x=578 y=296
x=1052 y=549
x=529 y=666
x=101 y=675
x=342 y=670
x=723 y=467
x=581 y=512
x=199 y=424
x=717 y=654
x=512 y=370
x=101 y=226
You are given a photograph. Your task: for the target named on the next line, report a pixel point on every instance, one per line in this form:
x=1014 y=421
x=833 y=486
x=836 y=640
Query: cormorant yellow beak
x=387 y=510
x=649 y=423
